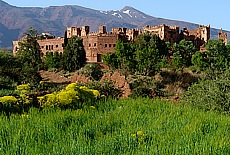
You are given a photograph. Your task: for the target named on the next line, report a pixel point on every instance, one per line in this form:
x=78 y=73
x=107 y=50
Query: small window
x=89 y=45
x=105 y=45
x=110 y=45
x=42 y=47
x=47 y=47
x=56 y=46
x=114 y=45
x=95 y=44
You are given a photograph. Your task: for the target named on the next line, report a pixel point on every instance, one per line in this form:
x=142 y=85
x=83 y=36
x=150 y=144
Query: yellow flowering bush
x=67 y=97
x=8 y=100
x=49 y=100
x=72 y=95
x=24 y=91
x=24 y=88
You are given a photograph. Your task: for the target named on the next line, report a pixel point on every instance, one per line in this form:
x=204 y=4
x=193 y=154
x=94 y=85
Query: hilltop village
x=99 y=43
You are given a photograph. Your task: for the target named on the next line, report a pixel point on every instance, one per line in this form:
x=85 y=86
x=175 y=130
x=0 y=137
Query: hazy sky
x=203 y=12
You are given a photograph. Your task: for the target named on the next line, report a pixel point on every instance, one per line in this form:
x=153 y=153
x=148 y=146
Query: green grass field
x=126 y=126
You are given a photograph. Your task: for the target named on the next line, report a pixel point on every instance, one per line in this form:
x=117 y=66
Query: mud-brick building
x=99 y=43
x=199 y=36
x=47 y=45
x=51 y=45
x=223 y=36
x=165 y=32
x=172 y=34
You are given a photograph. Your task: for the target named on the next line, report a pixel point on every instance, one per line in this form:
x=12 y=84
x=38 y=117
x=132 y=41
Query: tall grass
x=127 y=126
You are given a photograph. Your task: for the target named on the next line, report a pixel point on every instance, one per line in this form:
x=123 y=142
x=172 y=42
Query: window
x=110 y=45
x=47 y=47
x=42 y=47
x=56 y=46
x=114 y=45
x=105 y=45
x=89 y=45
x=95 y=44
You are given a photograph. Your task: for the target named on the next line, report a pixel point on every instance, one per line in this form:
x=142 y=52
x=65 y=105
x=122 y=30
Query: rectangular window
x=56 y=46
x=95 y=44
x=110 y=45
x=105 y=45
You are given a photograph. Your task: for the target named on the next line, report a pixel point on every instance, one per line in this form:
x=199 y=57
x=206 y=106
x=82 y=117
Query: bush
x=106 y=88
x=73 y=96
x=93 y=71
x=211 y=93
x=144 y=86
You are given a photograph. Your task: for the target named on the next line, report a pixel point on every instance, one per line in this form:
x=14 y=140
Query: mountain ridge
x=54 y=19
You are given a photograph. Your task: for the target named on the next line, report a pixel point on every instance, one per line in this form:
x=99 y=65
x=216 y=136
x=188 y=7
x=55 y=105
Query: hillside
x=15 y=21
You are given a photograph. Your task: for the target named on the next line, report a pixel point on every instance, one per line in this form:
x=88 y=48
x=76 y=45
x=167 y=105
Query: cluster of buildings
x=99 y=43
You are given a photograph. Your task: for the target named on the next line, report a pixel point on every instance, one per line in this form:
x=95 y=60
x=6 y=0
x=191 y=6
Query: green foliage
x=211 y=93
x=29 y=54
x=144 y=86
x=93 y=71
x=52 y=60
x=29 y=50
x=74 y=56
x=10 y=67
x=200 y=60
x=218 y=55
x=105 y=88
x=127 y=126
x=182 y=53
x=145 y=56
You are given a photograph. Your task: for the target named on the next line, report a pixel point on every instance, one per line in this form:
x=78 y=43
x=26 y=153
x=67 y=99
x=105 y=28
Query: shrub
x=93 y=71
x=8 y=100
x=144 y=86
x=73 y=96
x=211 y=93
x=105 y=88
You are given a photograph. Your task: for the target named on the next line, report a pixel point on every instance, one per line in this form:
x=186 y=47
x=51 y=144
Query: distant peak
x=127 y=8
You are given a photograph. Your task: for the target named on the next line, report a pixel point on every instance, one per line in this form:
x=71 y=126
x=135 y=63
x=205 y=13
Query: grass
x=127 y=126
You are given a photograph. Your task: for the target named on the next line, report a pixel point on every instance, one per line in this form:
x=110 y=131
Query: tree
x=29 y=54
x=52 y=60
x=200 y=60
x=10 y=67
x=182 y=53
x=149 y=54
x=74 y=56
x=218 y=54
x=29 y=50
